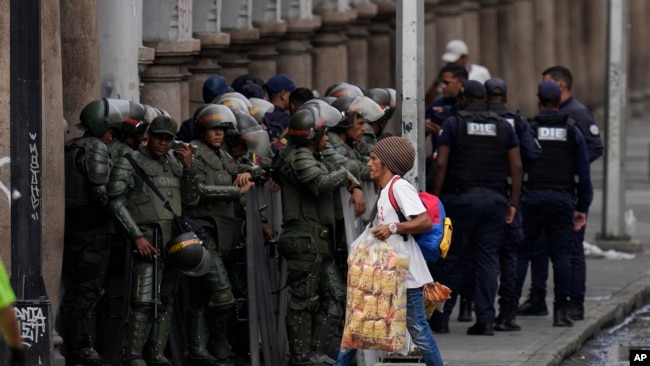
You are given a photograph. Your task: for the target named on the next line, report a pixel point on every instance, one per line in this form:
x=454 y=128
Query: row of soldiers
x=129 y=179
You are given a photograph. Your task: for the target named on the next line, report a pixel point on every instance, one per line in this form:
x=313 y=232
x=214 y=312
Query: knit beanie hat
x=397 y=153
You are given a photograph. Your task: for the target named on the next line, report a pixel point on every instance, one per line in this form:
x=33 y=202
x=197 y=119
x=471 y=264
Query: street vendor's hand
x=381 y=232
x=144 y=248
x=358 y=201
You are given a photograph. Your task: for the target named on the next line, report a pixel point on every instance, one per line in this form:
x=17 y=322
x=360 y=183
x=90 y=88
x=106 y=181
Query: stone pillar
x=431 y=60
x=523 y=60
x=168 y=30
x=507 y=43
x=545 y=46
x=381 y=47
x=489 y=36
x=236 y=19
x=120 y=29
x=266 y=18
x=449 y=25
x=637 y=49
x=357 y=48
x=471 y=30
x=52 y=142
x=330 y=53
x=578 y=63
x=595 y=21
x=79 y=58
x=562 y=34
x=5 y=132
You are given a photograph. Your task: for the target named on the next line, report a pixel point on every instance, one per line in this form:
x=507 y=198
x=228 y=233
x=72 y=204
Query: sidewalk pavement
x=615 y=287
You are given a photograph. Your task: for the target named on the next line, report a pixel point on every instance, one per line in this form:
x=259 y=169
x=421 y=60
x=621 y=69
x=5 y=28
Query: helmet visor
x=259 y=108
x=366 y=107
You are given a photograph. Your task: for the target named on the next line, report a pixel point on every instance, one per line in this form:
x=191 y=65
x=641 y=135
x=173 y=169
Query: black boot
x=576 y=309
x=561 y=316
x=505 y=322
x=481 y=329
x=533 y=306
x=465 y=310
x=439 y=323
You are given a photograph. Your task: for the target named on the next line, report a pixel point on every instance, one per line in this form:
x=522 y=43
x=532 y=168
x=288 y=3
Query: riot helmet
x=250 y=133
x=351 y=107
x=98 y=116
x=341 y=89
x=227 y=99
x=386 y=98
x=187 y=253
x=133 y=114
x=260 y=108
x=310 y=122
x=211 y=116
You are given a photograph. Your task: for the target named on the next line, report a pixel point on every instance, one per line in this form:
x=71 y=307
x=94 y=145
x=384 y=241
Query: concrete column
x=53 y=140
x=449 y=25
x=236 y=19
x=266 y=18
x=5 y=132
x=381 y=47
x=168 y=30
x=595 y=25
x=357 y=47
x=523 y=60
x=330 y=51
x=120 y=30
x=545 y=46
x=471 y=30
x=79 y=58
x=489 y=36
x=578 y=62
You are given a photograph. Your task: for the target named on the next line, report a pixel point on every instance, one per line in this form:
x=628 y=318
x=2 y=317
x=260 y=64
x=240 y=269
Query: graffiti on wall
x=32 y=323
x=35 y=177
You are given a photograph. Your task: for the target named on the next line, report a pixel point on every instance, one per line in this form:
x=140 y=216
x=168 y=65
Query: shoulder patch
x=594 y=130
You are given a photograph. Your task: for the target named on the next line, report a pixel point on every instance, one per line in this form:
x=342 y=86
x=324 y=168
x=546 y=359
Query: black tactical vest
x=479 y=155
x=555 y=168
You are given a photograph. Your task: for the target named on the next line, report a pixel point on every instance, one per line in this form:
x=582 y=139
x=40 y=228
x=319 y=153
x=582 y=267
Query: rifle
x=156 y=289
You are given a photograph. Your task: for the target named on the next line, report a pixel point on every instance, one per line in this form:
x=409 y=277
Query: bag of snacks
x=375 y=316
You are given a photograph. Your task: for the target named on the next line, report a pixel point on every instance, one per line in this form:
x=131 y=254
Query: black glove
x=17 y=357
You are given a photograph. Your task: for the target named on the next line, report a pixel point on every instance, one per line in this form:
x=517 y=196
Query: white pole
x=613 y=226
x=410 y=81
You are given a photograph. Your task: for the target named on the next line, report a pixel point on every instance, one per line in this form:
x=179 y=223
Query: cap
x=252 y=91
x=246 y=79
x=473 y=89
x=455 y=50
x=213 y=87
x=549 y=92
x=397 y=153
x=163 y=124
x=496 y=87
x=279 y=83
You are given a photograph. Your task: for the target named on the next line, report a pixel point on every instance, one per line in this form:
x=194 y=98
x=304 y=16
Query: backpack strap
x=393 y=202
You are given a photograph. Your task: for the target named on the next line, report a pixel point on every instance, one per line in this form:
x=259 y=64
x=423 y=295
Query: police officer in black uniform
x=548 y=203
x=530 y=149
x=477 y=152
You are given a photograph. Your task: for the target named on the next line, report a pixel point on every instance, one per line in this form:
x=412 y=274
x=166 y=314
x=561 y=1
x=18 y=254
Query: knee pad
x=221 y=299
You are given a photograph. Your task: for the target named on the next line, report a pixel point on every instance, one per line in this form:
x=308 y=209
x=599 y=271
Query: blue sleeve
x=447 y=133
x=512 y=141
x=185 y=133
x=284 y=120
x=530 y=148
x=585 y=120
x=585 y=189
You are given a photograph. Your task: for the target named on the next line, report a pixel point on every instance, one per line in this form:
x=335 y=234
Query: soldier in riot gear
x=317 y=290
x=88 y=229
x=133 y=118
x=143 y=216
x=387 y=100
x=221 y=182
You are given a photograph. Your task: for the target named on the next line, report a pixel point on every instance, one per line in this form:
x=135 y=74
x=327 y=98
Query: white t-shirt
x=478 y=73
x=409 y=203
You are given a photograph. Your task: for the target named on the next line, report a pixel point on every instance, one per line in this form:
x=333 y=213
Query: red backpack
x=434 y=243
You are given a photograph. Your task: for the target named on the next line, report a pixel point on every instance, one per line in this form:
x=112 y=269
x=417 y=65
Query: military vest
x=555 y=169
x=144 y=205
x=479 y=155
x=216 y=169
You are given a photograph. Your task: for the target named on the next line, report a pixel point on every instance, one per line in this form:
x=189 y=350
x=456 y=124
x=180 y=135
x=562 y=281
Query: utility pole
x=33 y=308
x=410 y=82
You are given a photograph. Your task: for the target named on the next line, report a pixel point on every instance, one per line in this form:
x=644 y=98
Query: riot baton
x=155 y=289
